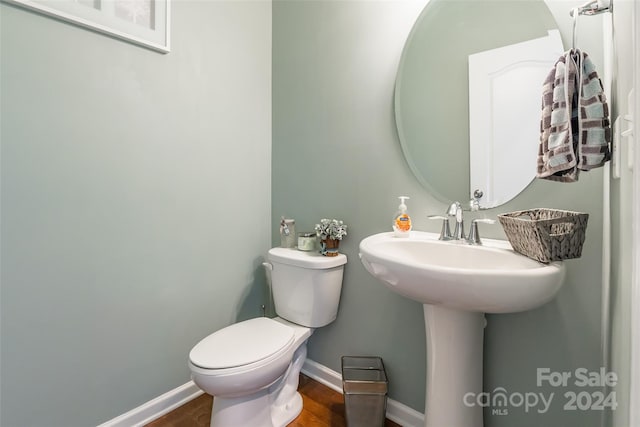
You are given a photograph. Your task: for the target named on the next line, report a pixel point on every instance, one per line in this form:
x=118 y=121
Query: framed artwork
x=144 y=22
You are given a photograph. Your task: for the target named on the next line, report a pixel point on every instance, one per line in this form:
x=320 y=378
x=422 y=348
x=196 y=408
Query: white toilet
x=252 y=367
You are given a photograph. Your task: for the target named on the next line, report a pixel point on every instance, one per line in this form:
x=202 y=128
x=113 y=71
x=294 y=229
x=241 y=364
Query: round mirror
x=468 y=96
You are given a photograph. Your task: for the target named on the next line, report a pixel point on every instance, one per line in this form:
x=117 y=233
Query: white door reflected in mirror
x=504 y=116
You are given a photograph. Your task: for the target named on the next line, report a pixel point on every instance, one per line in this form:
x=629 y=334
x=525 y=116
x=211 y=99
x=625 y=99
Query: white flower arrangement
x=331 y=229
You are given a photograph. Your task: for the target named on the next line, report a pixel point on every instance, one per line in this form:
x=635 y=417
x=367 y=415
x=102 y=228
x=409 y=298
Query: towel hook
x=592 y=7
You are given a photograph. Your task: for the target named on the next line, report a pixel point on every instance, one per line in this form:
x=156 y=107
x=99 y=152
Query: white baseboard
x=161 y=405
x=396 y=411
x=157 y=407
x=323 y=375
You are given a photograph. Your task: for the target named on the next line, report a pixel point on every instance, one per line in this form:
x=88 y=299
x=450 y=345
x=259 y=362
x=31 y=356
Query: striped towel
x=575 y=132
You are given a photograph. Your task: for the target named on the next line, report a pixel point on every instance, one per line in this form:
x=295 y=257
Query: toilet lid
x=241 y=344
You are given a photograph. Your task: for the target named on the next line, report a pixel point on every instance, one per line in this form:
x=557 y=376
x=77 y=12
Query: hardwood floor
x=323 y=407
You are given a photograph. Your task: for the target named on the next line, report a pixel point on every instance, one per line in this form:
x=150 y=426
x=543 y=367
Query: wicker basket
x=546 y=234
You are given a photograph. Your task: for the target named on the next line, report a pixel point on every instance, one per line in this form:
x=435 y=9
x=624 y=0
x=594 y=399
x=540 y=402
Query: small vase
x=329 y=247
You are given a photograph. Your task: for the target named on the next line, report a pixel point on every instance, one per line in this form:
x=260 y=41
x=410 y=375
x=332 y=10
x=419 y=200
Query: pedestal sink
x=457 y=284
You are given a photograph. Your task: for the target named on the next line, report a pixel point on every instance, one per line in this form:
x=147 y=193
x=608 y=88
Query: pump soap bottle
x=402 y=221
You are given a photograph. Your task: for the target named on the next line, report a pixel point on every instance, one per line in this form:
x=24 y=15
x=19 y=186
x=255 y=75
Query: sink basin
x=457 y=284
x=491 y=278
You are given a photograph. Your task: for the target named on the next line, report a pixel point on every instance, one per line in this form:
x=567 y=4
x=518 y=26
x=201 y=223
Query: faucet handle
x=445 y=232
x=484 y=220
x=474 y=236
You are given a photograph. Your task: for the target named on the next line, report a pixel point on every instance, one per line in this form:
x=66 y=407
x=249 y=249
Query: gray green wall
x=124 y=172
x=336 y=154
x=135 y=205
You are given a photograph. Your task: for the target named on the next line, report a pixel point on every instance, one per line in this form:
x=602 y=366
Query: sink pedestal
x=454 y=367
x=457 y=284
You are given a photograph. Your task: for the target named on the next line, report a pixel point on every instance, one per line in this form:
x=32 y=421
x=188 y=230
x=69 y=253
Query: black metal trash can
x=365 y=385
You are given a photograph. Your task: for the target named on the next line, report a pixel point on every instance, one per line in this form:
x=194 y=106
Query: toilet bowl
x=247 y=366
x=252 y=367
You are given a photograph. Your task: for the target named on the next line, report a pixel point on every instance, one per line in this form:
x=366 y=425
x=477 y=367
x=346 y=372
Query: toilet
x=252 y=367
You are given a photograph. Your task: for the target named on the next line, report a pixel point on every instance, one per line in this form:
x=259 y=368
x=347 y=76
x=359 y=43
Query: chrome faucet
x=455 y=210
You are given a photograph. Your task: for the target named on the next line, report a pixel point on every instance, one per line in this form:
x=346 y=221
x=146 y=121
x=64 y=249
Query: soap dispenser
x=402 y=220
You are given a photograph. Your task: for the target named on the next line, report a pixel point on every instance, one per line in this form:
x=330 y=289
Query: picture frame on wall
x=143 y=22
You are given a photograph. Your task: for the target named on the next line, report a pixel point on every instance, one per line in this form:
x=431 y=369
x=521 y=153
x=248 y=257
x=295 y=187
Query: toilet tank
x=306 y=286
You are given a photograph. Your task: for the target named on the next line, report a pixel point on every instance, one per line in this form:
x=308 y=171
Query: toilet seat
x=242 y=344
